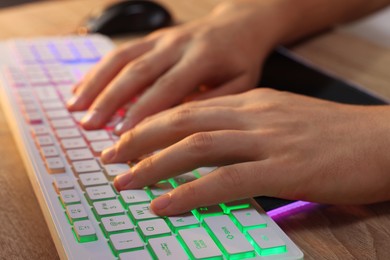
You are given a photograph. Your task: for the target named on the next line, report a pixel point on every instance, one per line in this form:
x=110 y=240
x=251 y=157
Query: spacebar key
x=200 y=243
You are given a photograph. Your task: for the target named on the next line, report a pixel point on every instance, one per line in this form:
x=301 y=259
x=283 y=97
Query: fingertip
x=161 y=204
x=92 y=120
x=123 y=181
x=108 y=154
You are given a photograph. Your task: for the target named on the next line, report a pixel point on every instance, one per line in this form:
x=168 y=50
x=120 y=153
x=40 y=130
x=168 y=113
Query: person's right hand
x=220 y=54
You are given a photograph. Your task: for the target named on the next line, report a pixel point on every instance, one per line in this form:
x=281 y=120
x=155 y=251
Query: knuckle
x=126 y=139
x=181 y=117
x=231 y=177
x=190 y=190
x=140 y=67
x=199 y=142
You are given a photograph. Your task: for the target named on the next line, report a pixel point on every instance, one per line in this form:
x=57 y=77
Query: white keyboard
x=87 y=217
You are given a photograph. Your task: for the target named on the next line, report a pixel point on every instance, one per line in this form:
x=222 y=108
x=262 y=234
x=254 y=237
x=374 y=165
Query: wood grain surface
x=321 y=231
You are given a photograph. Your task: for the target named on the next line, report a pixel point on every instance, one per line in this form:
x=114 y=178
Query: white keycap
x=44 y=140
x=92 y=179
x=39 y=130
x=205 y=170
x=79 y=115
x=68 y=133
x=184 y=178
x=249 y=217
x=63 y=182
x=142 y=211
x=167 y=248
x=76 y=211
x=128 y=240
x=138 y=254
x=49 y=151
x=100 y=192
x=52 y=105
x=115 y=169
x=161 y=188
x=183 y=220
x=84 y=228
x=117 y=223
x=69 y=196
x=96 y=135
x=54 y=165
x=108 y=207
x=200 y=243
x=33 y=118
x=73 y=143
x=99 y=146
x=56 y=114
x=86 y=166
x=45 y=93
x=154 y=227
x=63 y=123
x=227 y=233
x=266 y=238
x=79 y=154
x=134 y=196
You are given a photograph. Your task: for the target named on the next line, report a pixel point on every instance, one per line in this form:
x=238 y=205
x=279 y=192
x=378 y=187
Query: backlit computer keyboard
x=87 y=217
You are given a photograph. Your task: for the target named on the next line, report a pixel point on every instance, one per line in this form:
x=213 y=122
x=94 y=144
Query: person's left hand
x=265 y=142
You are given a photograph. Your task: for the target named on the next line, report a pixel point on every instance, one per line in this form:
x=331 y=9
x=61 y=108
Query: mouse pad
x=283 y=71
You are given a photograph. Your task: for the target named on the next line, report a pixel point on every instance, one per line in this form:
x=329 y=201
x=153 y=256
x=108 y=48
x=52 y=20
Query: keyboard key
x=79 y=154
x=98 y=146
x=208 y=211
x=100 y=192
x=199 y=243
x=56 y=114
x=55 y=165
x=86 y=166
x=249 y=218
x=73 y=143
x=37 y=130
x=167 y=248
x=84 y=231
x=33 y=118
x=185 y=220
x=76 y=212
x=160 y=188
x=114 y=169
x=117 y=223
x=49 y=151
x=96 y=135
x=126 y=241
x=267 y=242
x=141 y=212
x=184 y=178
x=69 y=196
x=67 y=133
x=138 y=254
x=237 y=204
x=154 y=227
x=63 y=123
x=52 y=105
x=134 y=196
x=231 y=239
x=108 y=207
x=62 y=183
x=43 y=140
x=92 y=179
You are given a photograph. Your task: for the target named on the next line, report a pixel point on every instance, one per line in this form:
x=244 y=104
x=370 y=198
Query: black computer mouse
x=131 y=16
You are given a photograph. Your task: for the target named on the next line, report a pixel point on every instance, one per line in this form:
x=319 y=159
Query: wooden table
x=329 y=232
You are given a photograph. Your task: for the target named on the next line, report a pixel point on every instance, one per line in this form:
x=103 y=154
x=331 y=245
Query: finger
x=131 y=81
x=201 y=149
x=167 y=91
x=236 y=85
x=98 y=78
x=164 y=131
x=223 y=184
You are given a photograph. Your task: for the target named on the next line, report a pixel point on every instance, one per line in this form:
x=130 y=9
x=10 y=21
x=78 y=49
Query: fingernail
x=162 y=202
x=71 y=102
x=108 y=154
x=123 y=180
x=90 y=117
x=118 y=127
